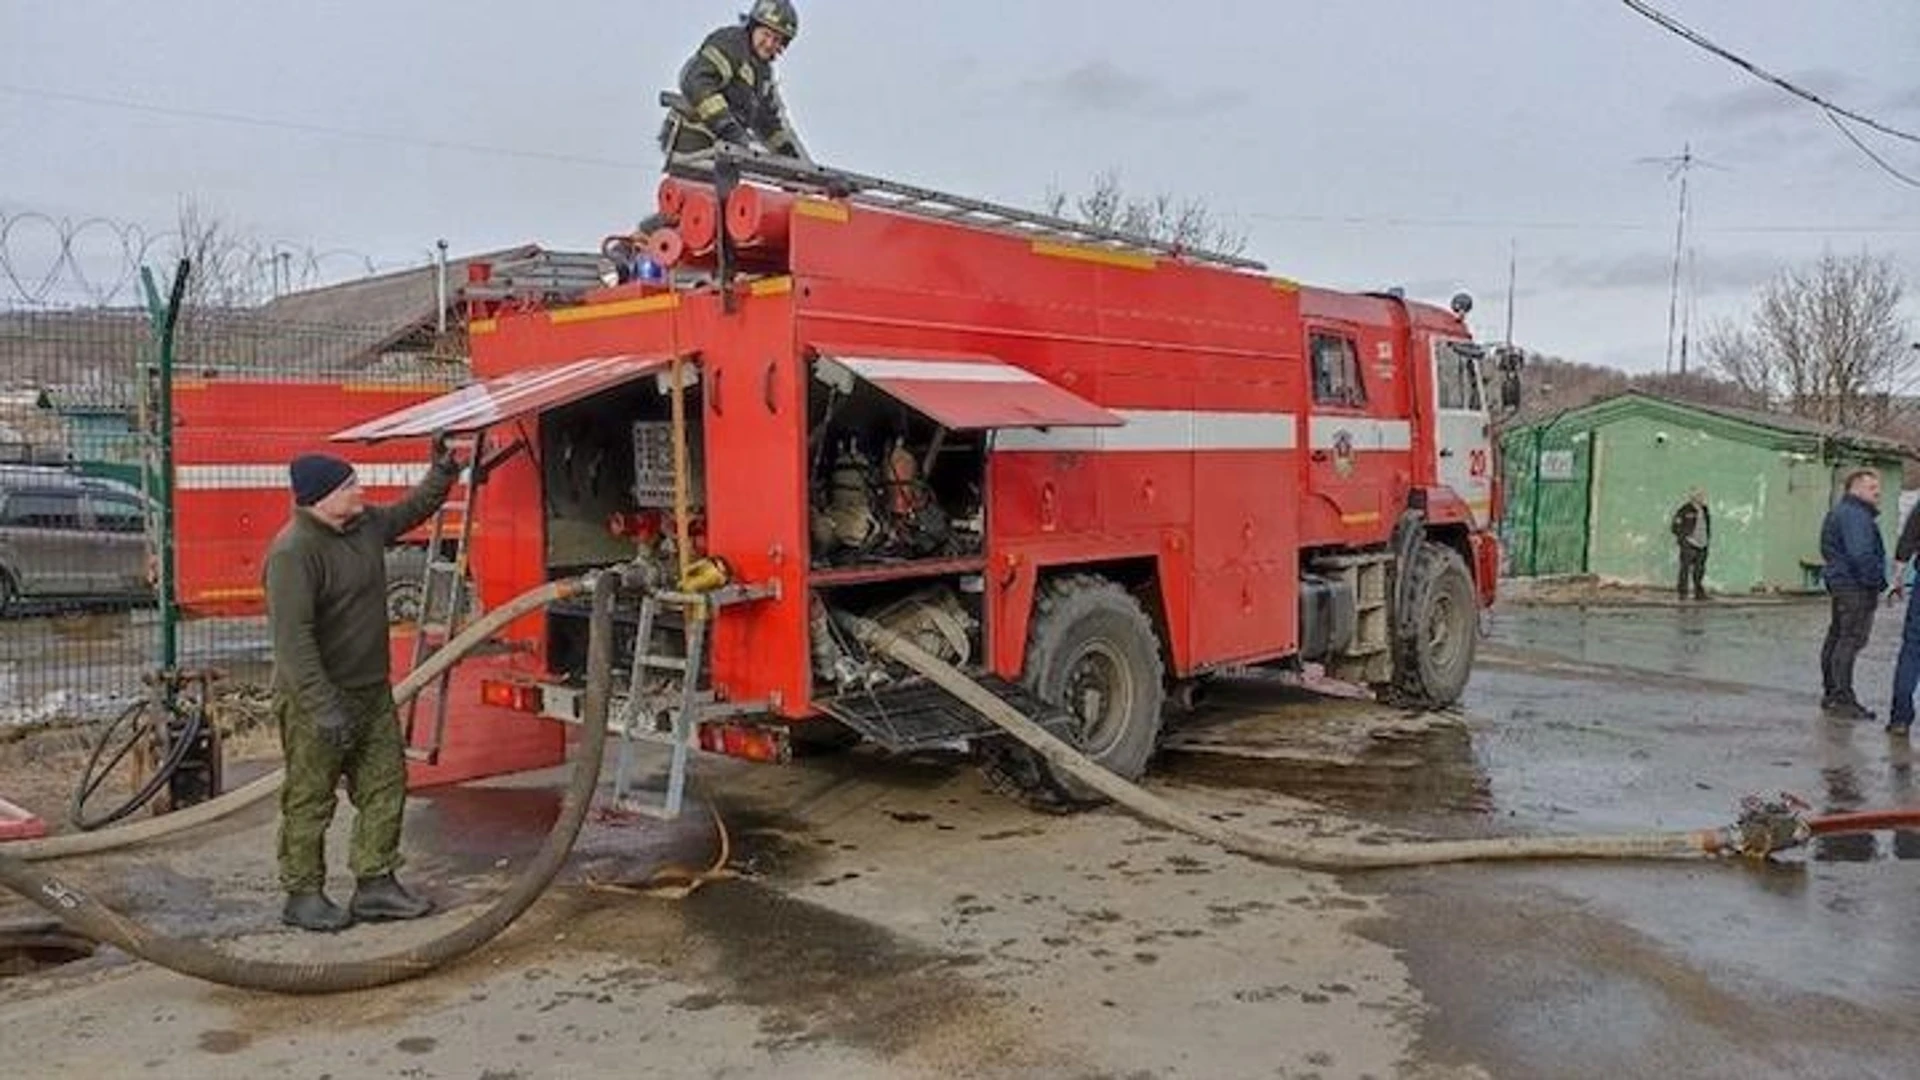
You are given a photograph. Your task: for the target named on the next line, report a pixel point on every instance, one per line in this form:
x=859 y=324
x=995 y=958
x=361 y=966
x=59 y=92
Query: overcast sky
x=1360 y=145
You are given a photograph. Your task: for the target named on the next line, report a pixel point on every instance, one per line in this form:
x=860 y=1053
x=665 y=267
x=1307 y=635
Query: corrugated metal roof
x=391 y=306
x=1784 y=423
x=508 y=397
x=972 y=393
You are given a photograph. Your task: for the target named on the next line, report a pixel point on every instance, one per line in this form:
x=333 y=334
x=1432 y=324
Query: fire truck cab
x=1090 y=472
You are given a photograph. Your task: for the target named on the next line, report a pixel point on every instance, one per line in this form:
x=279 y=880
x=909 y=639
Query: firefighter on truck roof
x=727 y=88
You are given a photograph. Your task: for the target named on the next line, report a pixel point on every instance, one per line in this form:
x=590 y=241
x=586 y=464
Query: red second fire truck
x=1089 y=468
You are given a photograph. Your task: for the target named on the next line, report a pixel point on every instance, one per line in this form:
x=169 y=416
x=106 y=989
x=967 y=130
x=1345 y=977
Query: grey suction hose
x=86 y=915
x=240 y=798
x=1333 y=855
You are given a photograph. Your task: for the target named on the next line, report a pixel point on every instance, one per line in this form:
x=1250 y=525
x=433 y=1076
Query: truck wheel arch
x=1088 y=628
x=1139 y=575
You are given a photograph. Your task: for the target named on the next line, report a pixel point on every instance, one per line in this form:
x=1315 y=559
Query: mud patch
x=224 y=1042
x=821 y=974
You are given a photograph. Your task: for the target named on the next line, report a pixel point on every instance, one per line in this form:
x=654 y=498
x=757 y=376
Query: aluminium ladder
x=444 y=594
x=727 y=164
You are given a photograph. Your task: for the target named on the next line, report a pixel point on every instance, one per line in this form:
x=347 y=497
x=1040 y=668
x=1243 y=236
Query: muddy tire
x=1443 y=632
x=403 y=602
x=1091 y=650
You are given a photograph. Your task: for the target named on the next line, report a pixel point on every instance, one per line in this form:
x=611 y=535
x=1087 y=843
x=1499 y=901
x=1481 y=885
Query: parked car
x=67 y=537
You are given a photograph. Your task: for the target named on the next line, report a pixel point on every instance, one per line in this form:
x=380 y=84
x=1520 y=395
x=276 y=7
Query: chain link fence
x=81 y=505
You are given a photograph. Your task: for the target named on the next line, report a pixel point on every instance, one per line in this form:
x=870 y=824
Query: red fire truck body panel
x=233 y=438
x=1228 y=471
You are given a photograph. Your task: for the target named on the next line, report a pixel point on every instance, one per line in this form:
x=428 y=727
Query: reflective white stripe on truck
x=259 y=477
x=1362 y=433
x=1164 y=430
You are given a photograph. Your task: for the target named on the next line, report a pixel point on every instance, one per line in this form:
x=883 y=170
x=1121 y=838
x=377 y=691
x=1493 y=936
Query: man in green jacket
x=727 y=87
x=326 y=582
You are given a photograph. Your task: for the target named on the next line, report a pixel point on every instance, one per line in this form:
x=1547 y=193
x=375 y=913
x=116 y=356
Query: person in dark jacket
x=1856 y=575
x=326 y=582
x=1906 y=673
x=1693 y=531
x=727 y=88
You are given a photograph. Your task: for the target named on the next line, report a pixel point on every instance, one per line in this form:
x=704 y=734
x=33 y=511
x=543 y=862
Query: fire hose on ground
x=1764 y=827
x=87 y=915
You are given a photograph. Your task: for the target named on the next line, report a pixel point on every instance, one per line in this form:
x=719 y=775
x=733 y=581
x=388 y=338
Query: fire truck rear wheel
x=1092 y=650
x=403 y=601
x=1445 y=629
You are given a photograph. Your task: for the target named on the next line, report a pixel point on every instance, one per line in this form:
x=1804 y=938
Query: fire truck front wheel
x=1443 y=631
x=1092 y=651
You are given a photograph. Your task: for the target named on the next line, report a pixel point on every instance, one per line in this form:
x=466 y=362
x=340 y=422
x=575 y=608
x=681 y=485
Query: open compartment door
x=962 y=392
x=505 y=398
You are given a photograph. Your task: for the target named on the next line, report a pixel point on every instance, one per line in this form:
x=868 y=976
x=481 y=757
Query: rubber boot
x=384 y=899
x=313 y=911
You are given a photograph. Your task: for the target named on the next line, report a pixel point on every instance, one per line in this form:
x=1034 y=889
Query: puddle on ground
x=473 y=828
x=475 y=831
x=1355 y=755
x=28 y=948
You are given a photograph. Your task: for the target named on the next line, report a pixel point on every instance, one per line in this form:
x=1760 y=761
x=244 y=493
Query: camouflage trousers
x=376 y=774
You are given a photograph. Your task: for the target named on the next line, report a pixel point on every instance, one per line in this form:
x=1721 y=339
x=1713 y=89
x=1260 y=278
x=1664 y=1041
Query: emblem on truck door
x=1343 y=452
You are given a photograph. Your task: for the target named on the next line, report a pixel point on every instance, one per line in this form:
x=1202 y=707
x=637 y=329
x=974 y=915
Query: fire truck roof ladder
x=728 y=164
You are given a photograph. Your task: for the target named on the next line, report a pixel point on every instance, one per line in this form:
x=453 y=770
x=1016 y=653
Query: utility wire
x=321 y=129
x=1669 y=23
x=1834 y=119
x=1560 y=226
x=396 y=139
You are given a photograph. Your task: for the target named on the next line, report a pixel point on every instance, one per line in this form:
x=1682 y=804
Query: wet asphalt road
x=909 y=906
x=1618 y=720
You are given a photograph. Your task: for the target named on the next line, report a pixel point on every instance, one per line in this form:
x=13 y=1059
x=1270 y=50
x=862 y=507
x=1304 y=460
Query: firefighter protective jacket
x=732 y=94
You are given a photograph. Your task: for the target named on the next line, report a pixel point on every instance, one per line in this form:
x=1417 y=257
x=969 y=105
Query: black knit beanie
x=316 y=476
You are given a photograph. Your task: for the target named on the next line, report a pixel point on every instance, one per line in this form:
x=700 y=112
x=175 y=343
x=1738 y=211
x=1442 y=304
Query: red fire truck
x=1090 y=468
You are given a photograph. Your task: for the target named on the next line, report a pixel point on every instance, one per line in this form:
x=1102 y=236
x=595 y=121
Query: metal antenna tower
x=1680 y=168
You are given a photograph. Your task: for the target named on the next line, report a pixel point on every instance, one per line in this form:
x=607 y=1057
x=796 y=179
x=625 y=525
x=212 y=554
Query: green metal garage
x=1591 y=491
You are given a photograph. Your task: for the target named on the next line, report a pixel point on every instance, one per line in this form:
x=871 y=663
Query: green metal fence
x=82 y=520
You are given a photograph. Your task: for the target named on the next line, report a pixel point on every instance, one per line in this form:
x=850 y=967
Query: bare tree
x=231 y=268
x=1732 y=352
x=1188 y=223
x=1826 y=341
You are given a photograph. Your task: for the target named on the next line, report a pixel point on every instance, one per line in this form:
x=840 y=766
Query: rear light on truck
x=518 y=696
x=746 y=741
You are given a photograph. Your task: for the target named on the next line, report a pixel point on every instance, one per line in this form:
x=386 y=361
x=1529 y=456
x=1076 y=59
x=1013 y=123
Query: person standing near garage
x=326 y=584
x=1693 y=531
x=1856 y=575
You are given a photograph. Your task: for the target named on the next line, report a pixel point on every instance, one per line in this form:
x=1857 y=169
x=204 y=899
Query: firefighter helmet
x=778 y=16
